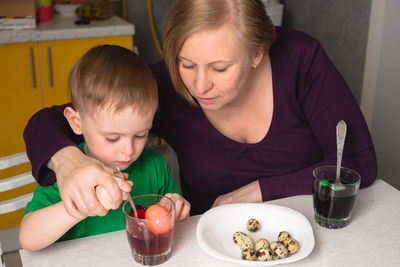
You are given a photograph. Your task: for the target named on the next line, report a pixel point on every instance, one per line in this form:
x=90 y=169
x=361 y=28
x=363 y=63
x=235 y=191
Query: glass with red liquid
x=150 y=239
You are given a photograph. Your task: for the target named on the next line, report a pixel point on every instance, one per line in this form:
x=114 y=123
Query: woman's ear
x=74 y=119
x=257 y=58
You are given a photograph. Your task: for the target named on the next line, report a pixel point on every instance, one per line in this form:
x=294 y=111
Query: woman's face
x=215 y=68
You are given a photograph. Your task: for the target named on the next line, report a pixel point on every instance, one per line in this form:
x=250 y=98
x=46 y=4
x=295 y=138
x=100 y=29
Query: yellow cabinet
x=20 y=94
x=32 y=76
x=57 y=58
x=20 y=98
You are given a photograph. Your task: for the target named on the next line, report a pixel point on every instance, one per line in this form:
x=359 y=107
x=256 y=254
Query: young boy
x=114 y=99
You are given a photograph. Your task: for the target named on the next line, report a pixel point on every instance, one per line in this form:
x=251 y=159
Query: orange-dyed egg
x=159 y=221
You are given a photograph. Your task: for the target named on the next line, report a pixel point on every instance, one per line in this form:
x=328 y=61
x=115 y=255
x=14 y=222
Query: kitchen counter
x=64 y=28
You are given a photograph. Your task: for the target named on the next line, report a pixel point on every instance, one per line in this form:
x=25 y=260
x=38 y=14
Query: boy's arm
x=34 y=236
x=43 y=227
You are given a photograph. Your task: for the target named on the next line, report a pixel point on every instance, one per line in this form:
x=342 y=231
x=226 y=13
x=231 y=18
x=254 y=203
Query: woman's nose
x=202 y=83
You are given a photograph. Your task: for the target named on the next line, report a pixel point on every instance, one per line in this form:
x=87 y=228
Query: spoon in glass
x=118 y=172
x=341 y=129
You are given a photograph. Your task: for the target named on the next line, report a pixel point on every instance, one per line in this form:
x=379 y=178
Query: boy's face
x=116 y=137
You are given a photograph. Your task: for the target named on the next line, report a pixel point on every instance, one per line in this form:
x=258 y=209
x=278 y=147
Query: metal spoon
x=117 y=171
x=341 y=129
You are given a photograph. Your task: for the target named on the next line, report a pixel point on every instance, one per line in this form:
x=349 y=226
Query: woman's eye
x=187 y=66
x=220 y=69
x=112 y=140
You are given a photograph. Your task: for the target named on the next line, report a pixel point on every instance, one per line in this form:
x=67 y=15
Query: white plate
x=216 y=227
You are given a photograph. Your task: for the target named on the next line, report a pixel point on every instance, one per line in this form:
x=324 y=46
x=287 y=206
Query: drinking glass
x=332 y=207
x=150 y=239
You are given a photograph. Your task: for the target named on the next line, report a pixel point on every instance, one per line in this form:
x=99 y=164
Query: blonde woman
x=249 y=108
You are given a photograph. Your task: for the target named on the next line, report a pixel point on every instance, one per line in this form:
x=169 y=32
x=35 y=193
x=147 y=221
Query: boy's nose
x=128 y=149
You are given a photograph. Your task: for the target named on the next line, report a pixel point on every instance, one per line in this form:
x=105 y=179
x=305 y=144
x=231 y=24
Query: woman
x=249 y=109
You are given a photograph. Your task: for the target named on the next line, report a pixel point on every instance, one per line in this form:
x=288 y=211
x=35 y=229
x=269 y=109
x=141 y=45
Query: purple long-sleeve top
x=310 y=98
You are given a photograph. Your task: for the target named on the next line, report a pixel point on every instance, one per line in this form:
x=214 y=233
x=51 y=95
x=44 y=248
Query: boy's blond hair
x=247 y=17
x=111 y=76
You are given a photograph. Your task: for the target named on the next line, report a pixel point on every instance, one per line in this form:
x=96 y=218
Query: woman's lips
x=206 y=101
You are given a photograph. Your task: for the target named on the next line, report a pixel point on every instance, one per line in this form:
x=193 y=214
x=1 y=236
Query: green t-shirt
x=150 y=175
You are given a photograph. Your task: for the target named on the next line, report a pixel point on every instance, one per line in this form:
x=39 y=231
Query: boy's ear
x=74 y=119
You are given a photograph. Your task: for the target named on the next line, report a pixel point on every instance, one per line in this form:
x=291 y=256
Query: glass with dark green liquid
x=333 y=208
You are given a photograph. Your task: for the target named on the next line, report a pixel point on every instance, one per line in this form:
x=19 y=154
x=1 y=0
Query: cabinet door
x=26 y=86
x=20 y=98
x=58 y=58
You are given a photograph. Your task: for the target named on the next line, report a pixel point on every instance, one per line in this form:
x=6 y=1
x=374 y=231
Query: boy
x=114 y=99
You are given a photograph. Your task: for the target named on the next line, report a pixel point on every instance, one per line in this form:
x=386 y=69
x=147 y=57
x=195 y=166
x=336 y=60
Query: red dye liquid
x=143 y=241
x=141 y=211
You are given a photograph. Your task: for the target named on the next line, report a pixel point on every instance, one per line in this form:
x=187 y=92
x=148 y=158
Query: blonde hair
x=111 y=76
x=248 y=17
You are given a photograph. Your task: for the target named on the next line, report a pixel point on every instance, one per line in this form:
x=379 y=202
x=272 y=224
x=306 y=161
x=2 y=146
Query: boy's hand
x=104 y=198
x=182 y=206
x=122 y=185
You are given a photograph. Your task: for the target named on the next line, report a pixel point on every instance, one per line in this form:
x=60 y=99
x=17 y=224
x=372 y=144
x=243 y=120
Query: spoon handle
x=117 y=171
x=341 y=129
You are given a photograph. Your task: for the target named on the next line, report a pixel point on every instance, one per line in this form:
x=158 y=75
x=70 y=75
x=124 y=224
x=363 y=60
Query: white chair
x=2 y=264
x=15 y=182
x=10 y=183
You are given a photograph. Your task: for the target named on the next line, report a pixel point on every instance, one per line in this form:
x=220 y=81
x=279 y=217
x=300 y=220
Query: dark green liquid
x=330 y=206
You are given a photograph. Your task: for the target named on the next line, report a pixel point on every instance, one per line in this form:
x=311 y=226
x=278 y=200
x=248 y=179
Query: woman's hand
x=77 y=177
x=248 y=193
x=182 y=206
x=105 y=199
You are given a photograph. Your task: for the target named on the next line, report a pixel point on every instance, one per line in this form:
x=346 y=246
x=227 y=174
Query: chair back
x=2 y=264
x=13 y=182
x=15 y=203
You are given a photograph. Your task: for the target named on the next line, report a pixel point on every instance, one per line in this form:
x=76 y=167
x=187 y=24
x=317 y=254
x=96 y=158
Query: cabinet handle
x=33 y=74
x=49 y=61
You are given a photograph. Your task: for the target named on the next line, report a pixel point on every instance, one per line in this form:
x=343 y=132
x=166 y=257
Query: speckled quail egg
x=248 y=254
x=280 y=252
x=261 y=243
x=283 y=236
x=243 y=240
x=264 y=254
x=253 y=225
x=273 y=245
x=292 y=245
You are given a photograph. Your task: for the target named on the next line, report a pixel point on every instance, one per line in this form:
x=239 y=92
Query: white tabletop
x=371 y=239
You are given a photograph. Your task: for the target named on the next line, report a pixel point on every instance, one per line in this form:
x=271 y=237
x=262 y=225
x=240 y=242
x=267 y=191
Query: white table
x=371 y=239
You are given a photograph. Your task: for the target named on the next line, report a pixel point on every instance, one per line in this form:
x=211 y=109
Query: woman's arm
x=46 y=133
x=325 y=99
x=250 y=193
x=78 y=194
x=32 y=234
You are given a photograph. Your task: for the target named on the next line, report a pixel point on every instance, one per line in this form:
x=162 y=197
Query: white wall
x=380 y=99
